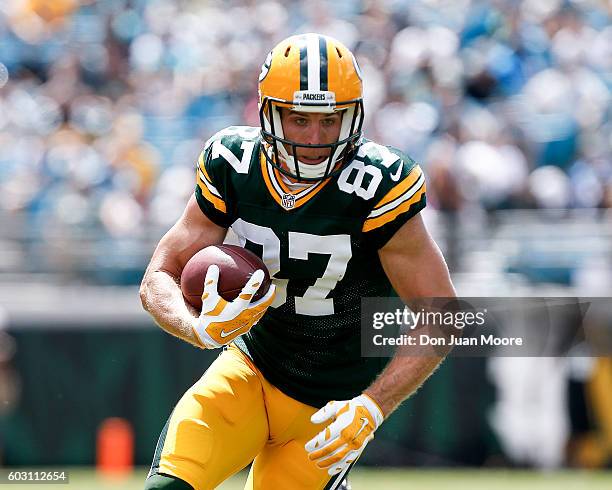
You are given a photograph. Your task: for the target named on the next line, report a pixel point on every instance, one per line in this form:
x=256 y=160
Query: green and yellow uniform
x=320 y=244
x=321 y=247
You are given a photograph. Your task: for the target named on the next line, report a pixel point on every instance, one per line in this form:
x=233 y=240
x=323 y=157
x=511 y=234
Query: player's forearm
x=162 y=298
x=410 y=366
x=400 y=379
x=418 y=273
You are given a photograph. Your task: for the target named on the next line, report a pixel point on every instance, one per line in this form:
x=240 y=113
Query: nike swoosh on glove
x=353 y=424
x=222 y=321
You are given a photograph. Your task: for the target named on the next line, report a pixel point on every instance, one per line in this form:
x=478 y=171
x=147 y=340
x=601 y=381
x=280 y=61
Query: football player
x=335 y=218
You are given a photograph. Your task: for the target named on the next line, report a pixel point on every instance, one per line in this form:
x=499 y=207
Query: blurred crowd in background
x=104 y=106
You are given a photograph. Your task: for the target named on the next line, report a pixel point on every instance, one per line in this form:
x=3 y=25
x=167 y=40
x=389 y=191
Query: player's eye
x=301 y=121
x=329 y=122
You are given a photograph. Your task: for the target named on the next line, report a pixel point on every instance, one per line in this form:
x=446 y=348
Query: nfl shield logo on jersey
x=288 y=201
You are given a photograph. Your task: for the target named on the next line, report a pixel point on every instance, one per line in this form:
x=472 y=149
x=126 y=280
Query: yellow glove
x=222 y=321
x=340 y=444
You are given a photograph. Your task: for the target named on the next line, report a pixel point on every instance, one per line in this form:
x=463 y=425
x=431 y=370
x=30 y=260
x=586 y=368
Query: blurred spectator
x=529 y=415
x=105 y=106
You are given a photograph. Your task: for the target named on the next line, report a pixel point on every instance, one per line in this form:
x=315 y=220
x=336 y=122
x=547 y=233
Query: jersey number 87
x=314 y=302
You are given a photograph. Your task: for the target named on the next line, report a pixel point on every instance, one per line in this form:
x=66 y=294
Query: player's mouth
x=313 y=160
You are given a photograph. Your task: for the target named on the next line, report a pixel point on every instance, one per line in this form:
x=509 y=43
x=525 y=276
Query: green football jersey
x=320 y=244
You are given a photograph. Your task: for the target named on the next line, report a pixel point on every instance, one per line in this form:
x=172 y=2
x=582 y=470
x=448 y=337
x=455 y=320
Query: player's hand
x=222 y=321
x=352 y=426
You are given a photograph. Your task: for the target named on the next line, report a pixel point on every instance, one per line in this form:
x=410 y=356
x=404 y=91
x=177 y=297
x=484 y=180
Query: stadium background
x=104 y=107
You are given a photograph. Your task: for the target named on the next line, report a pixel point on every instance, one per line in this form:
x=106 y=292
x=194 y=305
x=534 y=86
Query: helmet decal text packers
x=310 y=73
x=304 y=97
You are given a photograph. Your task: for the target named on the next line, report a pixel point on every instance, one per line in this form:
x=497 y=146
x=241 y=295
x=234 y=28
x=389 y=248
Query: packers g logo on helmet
x=310 y=73
x=265 y=67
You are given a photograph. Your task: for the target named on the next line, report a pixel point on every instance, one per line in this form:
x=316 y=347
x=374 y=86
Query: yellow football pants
x=232 y=416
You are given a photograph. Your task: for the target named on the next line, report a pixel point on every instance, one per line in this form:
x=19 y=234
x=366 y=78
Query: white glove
x=338 y=445
x=222 y=321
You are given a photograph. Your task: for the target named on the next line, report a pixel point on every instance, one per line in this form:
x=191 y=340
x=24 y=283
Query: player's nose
x=314 y=134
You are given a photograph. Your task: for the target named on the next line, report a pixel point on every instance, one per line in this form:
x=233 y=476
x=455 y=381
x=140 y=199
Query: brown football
x=236 y=266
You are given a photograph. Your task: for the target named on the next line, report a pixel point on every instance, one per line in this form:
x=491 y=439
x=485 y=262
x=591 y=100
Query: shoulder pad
x=392 y=162
x=234 y=136
x=400 y=194
x=233 y=145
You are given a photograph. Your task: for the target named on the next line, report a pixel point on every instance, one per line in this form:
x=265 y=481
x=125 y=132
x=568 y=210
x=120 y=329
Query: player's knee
x=166 y=482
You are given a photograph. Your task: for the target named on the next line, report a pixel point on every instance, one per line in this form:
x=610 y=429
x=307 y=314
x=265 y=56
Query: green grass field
x=387 y=479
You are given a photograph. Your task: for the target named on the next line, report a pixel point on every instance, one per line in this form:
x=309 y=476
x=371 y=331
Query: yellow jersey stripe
x=211 y=187
x=275 y=185
x=304 y=194
x=202 y=167
x=396 y=202
x=283 y=184
x=217 y=202
x=401 y=187
x=383 y=219
x=209 y=191
x=264 y=172
x=275 y=182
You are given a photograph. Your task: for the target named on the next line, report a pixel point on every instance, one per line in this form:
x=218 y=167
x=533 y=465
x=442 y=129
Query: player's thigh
x=288 y=466
x=217 y=427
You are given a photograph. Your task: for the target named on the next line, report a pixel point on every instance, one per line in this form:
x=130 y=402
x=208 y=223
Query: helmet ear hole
x=287 y=51
x=338 y=51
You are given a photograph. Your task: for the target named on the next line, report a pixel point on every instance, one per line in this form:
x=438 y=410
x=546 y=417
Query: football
x=236 y=266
